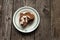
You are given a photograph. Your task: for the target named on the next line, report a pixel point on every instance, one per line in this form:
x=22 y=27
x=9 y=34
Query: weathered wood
x=56 y=19
x=1 y=37
x=52 y=20
x=44 y=30
x=6 y=19
x=16 y=35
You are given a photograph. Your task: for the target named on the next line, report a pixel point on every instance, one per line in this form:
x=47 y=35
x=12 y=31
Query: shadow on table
x=24 y=33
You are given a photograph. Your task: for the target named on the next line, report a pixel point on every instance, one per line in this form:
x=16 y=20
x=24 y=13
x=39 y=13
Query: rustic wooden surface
x=48 y=29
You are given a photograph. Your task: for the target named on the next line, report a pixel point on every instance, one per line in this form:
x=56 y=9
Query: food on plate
x=26 y=18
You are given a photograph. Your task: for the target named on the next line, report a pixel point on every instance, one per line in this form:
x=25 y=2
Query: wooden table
x=48 y=29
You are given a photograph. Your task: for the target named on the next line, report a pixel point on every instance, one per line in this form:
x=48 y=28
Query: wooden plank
x=52 y=20
x=44 y=30
x=16 y=35
x=6 y=19
x=56 y=19
x=1 y=37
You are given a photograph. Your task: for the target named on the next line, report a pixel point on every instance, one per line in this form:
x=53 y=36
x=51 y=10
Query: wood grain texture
x=6 y=19
x=56 y=19
x=52 y=20
x=44 y=30
x=1 y=37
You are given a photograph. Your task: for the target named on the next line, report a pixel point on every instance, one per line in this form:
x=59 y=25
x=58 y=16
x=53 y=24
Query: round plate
x=30 y=27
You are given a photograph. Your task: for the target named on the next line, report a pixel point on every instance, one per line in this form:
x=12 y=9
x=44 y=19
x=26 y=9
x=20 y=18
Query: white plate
x=31 y=27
